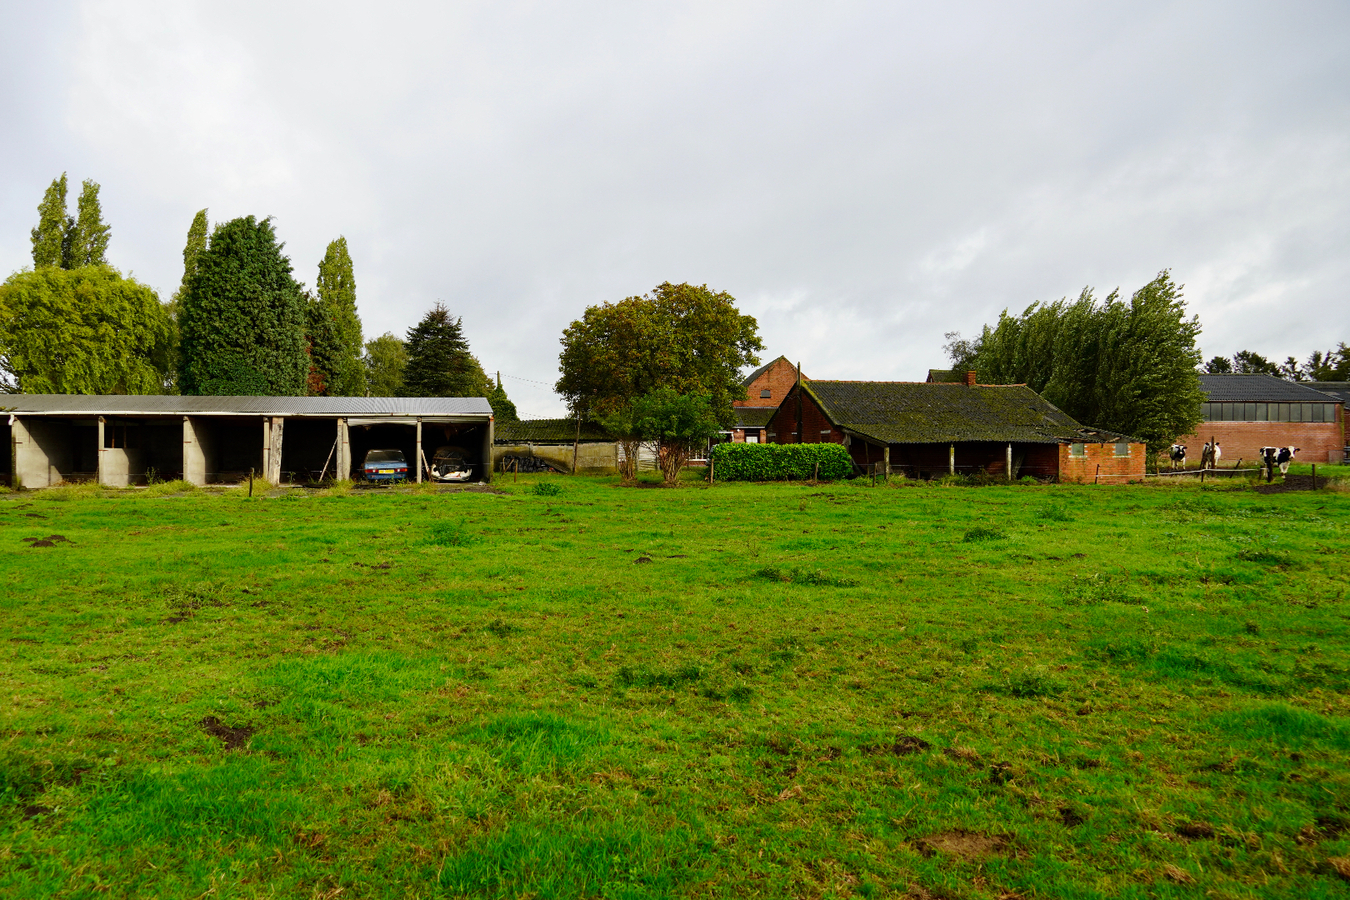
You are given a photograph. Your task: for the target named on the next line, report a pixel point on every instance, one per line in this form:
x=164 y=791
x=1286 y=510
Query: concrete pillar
x=418 y=453
x=344 y=451
x=886 y=458
x=951 y=460
x=102 y=476
x=31 y=469
x=487 y=450
x=194 y=452
x=266 y=447
x=1009 y=462
x=274 y=451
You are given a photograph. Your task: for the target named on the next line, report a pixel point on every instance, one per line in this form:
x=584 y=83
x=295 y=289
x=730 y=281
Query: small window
x=752 y=438
x=765 y=394
x=1078 y=449
x=1263 y=412
x=1122 y=448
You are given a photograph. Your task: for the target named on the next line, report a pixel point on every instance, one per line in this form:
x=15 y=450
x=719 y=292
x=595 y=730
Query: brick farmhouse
x=924 y=429
x=1247 y=412
x=765 y=388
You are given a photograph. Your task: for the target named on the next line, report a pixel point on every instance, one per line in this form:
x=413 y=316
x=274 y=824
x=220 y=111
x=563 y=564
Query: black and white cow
x=1278 y=456
x=1211 y=455
x=1177 y=454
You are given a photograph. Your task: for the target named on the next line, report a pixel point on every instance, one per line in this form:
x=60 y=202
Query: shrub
x=981 y=533
x=780 y=462
x=546 y=489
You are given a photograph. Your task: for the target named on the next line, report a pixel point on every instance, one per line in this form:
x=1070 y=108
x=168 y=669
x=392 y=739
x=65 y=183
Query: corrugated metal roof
x=1337 y=390
x=902 y=412
x=1257 y=388
x=174 y=405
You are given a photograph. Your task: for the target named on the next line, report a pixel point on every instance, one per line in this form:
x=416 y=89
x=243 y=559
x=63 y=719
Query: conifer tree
x=49 y=237
x=89 y=235
x=344 y=374
x=439 y=361
x=242 y=317
x=502 y=407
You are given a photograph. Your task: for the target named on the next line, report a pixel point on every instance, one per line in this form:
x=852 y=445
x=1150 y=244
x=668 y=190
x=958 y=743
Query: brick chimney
x=970 y=379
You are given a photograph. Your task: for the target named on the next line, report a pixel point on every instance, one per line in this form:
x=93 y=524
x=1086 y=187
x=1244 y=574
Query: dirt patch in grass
x=234 y=738
x=904 y=745
x=1291 y=483
x=1195 y=831
x=962 y=843
x=1071 y=817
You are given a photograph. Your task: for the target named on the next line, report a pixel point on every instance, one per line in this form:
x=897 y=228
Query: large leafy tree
x=242 y=317
x=1123 y=365
x=683 y=337
x=385 y=361
x=80 y=331
x=50 y=246
x=343 y=372
x=676 y=425
x=439 y=361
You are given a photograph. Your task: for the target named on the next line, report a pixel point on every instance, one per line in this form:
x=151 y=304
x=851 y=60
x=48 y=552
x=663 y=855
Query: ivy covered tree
x=50 y=247
x=684 y=337
x=343 y=372
x=193 y=249
x=439 y=361
x=1123 y=365
x=385 y=361
x=242 y=317
x=81 y=331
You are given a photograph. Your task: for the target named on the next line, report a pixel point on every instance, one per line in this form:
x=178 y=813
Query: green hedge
x=780 y=462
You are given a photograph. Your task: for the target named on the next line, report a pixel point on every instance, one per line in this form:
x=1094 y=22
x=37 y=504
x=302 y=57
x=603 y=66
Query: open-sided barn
x=121 y=440
x=926 y=429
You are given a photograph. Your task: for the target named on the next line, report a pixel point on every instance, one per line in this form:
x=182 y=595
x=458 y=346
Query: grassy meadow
x=568 y=688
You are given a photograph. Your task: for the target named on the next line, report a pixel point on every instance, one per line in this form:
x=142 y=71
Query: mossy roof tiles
x=546 y=431
x=900 y=412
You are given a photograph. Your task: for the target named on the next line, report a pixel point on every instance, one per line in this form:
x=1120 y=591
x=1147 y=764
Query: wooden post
x=800 y=435
x=1008 y=462
x=576 y=445
x=817 y=475
x=1314 y=476
x=885 y=459
x=250 y=481
x=1098 y=475
x=951 y=460
x=712 y=468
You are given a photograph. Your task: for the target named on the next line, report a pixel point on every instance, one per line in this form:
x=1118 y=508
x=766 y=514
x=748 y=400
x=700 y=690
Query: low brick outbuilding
x=926 y=429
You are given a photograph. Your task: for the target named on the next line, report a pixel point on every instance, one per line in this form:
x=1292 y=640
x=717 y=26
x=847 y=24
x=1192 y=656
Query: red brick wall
x=1318 y=442
x=816 y=429
x=1085 y=468
x=779 y=378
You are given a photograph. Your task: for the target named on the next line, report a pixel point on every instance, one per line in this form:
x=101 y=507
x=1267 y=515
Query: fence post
x=1097 y=477
x=1314 y=476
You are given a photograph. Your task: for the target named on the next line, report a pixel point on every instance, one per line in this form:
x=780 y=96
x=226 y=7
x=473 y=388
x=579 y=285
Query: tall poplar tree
x=242 y=317
x=439 y=361
x=195 y=246
x=89 y=235
x=343 y=371
x=49 y=237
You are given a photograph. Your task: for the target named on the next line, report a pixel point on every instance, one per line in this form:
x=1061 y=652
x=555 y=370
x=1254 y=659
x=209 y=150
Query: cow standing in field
x=1209 y=458
x=1177 y=454
x=1277 y=456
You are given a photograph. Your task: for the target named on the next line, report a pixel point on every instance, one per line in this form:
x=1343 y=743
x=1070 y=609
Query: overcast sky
x=861 y=177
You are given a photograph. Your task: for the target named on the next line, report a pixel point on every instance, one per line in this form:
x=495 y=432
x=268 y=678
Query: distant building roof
x=945 y=376
x=750 y=379
x=905 y=412
x=174 y=404
x=1258 y=389
x=547 y=431
x=1338 y=390
x=754 y=416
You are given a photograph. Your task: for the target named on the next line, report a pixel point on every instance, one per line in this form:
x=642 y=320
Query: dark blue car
x=385 y=465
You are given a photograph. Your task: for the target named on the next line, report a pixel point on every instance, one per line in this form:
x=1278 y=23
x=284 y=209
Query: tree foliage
x=193 y=248
x=81 y=331
x=677 y=426
x=686 y=338
x=89 y=235
x=1127 y=366
x=49 y=237
x=1328 y=365
x=502 y=407
x=439 y=361
x=242 y=318
x=343 y=371
x=385 y=361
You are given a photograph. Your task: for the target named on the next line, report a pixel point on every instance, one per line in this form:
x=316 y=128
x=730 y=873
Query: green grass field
x=736 y=691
